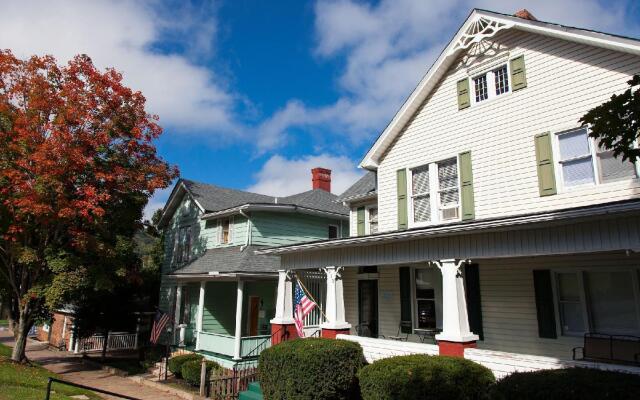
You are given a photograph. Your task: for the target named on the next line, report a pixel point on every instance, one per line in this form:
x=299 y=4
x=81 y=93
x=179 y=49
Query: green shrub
x=425 y=377
x=175 y=363
x=311 y=369
x=191 y=371
x=568 y=384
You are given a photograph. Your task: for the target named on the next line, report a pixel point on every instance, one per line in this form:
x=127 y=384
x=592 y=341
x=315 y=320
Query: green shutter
x=464 y=101
x=360 y=213
x=545 y=309
x=466 y=187
x=544 y=162
x=402 y=199
x=474 y=301
x=405 y=300
x=518 y=74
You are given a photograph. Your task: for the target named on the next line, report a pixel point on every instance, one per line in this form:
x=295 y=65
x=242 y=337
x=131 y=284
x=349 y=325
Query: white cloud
x=389 y=46
x=122 y=34
x=281 y=176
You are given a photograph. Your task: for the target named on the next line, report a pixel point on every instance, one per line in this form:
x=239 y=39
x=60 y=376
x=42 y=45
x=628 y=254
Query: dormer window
x=225 y=231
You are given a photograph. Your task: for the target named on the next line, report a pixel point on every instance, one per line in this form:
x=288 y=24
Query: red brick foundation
x=331 y=333
x=286 y=332
x=454 y=349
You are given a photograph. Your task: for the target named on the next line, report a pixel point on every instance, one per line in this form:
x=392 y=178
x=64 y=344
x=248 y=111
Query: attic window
x=491 y=84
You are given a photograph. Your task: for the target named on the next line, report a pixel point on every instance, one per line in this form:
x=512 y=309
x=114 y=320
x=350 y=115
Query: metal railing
x=52 y=380
x=116 y=341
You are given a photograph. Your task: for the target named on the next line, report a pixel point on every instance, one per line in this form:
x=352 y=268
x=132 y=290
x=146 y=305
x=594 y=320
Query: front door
x=368 y=308
x=254 y=315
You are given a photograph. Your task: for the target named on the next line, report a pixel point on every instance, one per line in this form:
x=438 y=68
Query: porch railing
x=116 y=341
x=223 y=344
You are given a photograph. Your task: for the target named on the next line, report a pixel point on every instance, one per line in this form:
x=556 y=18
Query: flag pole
x=310 y=296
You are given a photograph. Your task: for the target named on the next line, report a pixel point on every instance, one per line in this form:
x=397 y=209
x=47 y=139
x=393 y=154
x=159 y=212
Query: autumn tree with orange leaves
x=76 y=150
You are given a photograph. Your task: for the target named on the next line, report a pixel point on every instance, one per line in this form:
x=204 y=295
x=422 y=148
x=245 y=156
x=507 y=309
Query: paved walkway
x=72 y=369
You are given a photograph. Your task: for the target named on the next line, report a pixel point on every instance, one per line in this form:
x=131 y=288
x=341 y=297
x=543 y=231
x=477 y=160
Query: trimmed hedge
x=175 y=363
x=425 y=377
x=311 y=369
x=568 y=384
x=191 y=371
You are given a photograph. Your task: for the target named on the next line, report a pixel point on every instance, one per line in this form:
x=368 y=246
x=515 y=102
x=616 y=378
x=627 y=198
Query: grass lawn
x=18 y=381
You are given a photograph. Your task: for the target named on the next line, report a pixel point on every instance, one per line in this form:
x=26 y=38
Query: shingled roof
x=216 y=198
x=364 y=188
x=230 y=260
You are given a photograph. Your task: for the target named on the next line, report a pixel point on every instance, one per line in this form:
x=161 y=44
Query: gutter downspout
x=249 y=225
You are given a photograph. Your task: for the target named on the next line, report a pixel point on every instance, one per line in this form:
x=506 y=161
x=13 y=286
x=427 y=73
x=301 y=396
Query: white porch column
x=238 y=339
x=334 y=308
x=455 y=334
x=200 y=314
x=177 y=312
x=283 y=320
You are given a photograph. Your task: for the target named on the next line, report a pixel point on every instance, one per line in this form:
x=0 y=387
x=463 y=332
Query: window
x=426 y=283
x=501 y=77
x=225 y=231
x=582 y=161
x=187 y=244
x=602 y=301
x=373 y=220
x=421 y=194
x=333 y=232
x=180 y=245
x=491 y=84
x=480 y=88
x=448 y=192
x=437 y=181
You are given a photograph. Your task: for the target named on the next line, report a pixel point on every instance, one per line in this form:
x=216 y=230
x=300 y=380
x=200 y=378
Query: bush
x=175 y=363
x=568 y=384
x=310 y=369
x=191 y=371
x=425 y=377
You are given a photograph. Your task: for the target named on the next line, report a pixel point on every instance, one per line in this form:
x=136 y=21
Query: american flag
x=302 y=306
x=159 y=322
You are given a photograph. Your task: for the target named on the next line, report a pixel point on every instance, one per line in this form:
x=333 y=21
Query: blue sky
x=252 y=94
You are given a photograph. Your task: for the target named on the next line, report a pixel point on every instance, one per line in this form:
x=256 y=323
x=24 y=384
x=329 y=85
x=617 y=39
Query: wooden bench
x=610 y=348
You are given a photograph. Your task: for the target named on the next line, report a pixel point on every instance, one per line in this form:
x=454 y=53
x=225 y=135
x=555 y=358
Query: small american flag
x=159 y=322
x=302 y=306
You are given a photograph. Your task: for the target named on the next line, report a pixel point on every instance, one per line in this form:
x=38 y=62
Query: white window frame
x=586 y=318
x=414 y=299
x=434 y=193
x=555 y=149
x=491 y=83
x=367 y=219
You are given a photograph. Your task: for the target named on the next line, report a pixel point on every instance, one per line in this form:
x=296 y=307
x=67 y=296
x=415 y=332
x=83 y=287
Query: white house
x=490 y=223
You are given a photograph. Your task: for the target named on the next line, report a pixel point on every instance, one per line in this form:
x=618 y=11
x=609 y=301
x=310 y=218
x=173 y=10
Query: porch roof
x=230 y=260
x=548 y=218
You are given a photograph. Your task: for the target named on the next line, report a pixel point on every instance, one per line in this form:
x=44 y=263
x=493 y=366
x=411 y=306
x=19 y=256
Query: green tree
x=616 y=123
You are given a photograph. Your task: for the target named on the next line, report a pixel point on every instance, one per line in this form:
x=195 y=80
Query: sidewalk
x=71 y=368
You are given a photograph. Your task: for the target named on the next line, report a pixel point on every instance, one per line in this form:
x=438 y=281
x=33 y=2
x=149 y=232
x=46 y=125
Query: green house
x=221 y=294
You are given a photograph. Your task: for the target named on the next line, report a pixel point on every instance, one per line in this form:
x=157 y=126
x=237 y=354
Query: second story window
x=225 y=231
x=333 y=232
x=182 y=245
x=435 y=192
x=582 y=161
x=373 y=220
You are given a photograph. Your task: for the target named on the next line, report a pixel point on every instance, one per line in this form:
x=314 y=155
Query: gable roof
x=479 y=25
x=364 y=188
x=215 y=201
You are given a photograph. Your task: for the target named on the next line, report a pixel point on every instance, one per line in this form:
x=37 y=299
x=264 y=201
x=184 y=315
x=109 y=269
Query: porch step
x=253 y=392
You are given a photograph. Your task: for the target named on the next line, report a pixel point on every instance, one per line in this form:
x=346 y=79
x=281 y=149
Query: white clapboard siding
x=564 y=80
x=508 y=301
x=376 y=349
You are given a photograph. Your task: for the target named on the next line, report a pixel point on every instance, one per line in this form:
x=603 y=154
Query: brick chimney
x=525 y=14
x=321 y=179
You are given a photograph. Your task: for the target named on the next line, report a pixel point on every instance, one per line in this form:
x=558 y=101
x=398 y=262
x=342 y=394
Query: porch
x=521 y=296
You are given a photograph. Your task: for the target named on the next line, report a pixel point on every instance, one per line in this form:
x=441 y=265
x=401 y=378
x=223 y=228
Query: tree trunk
x=105 y=344
x=21 y=333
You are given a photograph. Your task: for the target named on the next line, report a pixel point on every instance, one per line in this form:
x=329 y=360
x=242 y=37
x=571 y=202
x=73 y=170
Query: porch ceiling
x=607 y=227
